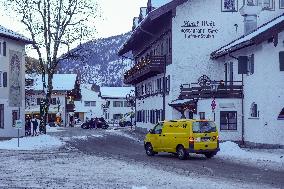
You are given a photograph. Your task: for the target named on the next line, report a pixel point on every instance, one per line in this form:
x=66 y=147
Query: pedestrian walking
x=35 y=125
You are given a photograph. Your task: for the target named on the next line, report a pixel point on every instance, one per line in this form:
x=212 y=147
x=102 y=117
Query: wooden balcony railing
x=215 y=90
x=147 y=68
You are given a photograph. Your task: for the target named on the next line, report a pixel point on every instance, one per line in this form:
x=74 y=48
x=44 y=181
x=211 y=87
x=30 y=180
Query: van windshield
x=203 y=127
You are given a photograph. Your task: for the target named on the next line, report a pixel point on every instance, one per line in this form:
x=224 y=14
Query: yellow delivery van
x=183 y=137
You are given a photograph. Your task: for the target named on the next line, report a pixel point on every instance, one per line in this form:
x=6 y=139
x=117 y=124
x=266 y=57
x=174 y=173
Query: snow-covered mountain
x=98 y=62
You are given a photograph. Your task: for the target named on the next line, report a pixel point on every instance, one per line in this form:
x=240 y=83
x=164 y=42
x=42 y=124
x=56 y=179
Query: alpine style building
x=215 y=59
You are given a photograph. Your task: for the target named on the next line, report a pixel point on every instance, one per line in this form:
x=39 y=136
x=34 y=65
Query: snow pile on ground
x=230 y=150
x=52 y=129
x=118 y=132
x=32 y=143
x=79 y=137
x=142 y=187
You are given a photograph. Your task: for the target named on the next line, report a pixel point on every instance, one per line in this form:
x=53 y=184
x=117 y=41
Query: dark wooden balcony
x=150 y=67
x=216 y=90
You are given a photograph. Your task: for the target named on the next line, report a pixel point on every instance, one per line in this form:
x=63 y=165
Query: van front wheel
x=182 y=154
x=149 y=150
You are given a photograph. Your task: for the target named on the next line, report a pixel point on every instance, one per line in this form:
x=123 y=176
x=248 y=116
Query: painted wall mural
x=15 y=79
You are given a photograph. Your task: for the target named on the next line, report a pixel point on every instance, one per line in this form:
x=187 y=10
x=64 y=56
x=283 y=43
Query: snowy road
x=108 y=159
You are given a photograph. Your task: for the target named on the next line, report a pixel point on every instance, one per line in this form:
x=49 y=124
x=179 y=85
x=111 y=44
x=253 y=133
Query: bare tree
x=54 y=25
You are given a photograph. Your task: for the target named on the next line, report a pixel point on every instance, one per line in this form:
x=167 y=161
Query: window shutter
x=281 y=60
x=4 y=49
x=5 y=79
x=252 y=64
x=242 y=64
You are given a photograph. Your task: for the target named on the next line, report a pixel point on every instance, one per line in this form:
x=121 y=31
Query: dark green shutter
x=5 y=79
x=281 y=60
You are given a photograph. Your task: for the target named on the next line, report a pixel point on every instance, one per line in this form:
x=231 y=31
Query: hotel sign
x=199 y=29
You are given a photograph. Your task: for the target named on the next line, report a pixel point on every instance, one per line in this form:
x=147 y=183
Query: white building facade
x=115 y=104
x=12 y=81
x=62 y=103
x=187 y=80
x=91 y=103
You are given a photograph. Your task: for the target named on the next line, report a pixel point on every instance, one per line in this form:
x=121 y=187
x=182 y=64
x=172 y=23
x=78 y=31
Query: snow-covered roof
x=167 y=6
x=115 y=92
x=143 y=12
x=252 y=38
x=4 y=32
x=61 y=82
x=181 y=102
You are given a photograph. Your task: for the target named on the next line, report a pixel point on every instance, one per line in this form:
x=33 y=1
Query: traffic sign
x=18 y=124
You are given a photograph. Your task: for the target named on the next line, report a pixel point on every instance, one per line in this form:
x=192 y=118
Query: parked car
x=183 y=137
x=100 y=123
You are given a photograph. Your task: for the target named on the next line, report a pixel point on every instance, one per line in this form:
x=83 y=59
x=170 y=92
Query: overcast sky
x=116 y=18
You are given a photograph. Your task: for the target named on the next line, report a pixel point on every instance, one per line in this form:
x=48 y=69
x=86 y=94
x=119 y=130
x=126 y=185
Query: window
x=4 y=49
x=117 y=116
x=93 y=103
x=126 y=104
x=250 y=65
x=158 y=128
x=266 y=4
x=15 y=116
x=281 y=114
x=168 y=81
x=253 y=110
x=229 y=74
x=281 y=60
x=229 y=5
x=87 y=103
x=117 y=103
x=2 y=116
x=228 y=120
x=202 y=115
x=0 y=79
x=38 y=101
x=53 y=101
x=281 y=4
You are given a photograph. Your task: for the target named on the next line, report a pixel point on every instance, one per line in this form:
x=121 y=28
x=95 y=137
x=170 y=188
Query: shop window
x=253 y=110
x=281 y=114
x=228 y=120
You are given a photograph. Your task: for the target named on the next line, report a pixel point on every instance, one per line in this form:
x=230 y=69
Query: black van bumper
x=202 y=151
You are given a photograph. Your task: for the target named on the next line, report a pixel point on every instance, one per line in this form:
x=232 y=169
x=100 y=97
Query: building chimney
x=149 y=6
x=250 y=13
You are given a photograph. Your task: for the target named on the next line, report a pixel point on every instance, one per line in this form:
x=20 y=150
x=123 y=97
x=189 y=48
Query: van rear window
x=203 y=127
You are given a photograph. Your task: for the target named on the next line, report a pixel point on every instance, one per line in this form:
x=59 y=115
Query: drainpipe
x=164 y=89
x=243 y=121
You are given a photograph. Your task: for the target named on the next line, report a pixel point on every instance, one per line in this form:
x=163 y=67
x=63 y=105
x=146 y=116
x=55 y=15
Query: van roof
x=185 y=120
